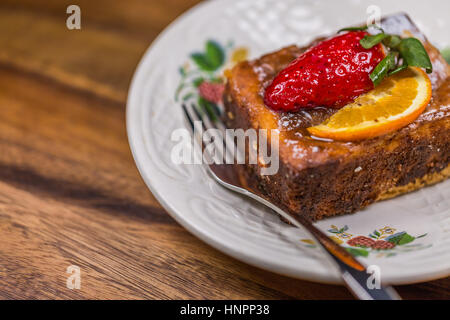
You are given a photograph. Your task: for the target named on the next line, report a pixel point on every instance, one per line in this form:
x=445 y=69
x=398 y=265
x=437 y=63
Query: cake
x=319 y=178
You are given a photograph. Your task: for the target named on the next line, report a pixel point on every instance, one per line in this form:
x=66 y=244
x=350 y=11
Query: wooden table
x=70 y=193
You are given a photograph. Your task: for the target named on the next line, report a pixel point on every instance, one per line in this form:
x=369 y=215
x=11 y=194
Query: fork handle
x=353 y=272
x=356 y=282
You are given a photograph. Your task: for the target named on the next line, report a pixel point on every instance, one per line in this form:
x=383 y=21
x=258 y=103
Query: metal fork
x=353 y=272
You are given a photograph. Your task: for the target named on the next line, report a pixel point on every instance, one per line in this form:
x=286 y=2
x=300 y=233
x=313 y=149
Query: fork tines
x=210 y=119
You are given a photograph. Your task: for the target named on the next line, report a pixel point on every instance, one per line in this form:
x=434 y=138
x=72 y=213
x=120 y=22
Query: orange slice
x=395 y=103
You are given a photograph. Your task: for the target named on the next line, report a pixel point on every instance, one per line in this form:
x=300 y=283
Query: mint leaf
x=414 y=54
x=353 y=29
x=361 y=28
x=371 y=41
x=392 y=41
x=381 y=71
x=397 y=70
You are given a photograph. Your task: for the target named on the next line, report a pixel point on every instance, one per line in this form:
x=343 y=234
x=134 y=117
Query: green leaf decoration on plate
x=187 y=96
x=202 y=62
x=400 y=238
x=215 y=54
x=212 y=59
x=421 y=236
x=202 y=79
x=197 y=82
x=395 y=238
x=406 y=239
x=383 y=242
x=358 y=252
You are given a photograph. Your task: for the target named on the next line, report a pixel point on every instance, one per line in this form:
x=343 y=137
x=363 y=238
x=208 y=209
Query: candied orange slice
x=395 y=103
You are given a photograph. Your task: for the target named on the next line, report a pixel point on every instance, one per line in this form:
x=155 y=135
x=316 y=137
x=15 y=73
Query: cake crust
x=320 y=178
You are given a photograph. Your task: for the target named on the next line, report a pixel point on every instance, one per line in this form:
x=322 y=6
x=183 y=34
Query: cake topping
x=331 y=74
x=395 y=103
x=338 y=70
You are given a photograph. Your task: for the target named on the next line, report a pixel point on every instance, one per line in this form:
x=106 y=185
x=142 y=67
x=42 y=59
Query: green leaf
x=397 y=70
x=202 y=61
x=353 y=29
x=178 y=90
x=406 y=238
x=392 y=41
x=414 y=54
x=371 y=41
x=421 y=236
x=361 y=28
x=216 y=80
x=215 y=54
x=395 y=238
x=380 y=72
x=391 y=254
x=212 y=59
x=197 y=82
x=446 y=54
x=357 y=252
x=187 y=96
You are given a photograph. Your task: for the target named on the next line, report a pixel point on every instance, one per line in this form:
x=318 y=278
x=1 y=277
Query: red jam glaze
x=330 y=74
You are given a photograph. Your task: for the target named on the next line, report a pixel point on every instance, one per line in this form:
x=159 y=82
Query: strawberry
x=331 y=74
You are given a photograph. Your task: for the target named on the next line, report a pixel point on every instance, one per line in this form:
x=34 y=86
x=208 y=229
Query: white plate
x=237 y=226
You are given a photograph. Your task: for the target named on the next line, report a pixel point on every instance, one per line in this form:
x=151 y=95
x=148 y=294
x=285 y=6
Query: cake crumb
x=358 y=169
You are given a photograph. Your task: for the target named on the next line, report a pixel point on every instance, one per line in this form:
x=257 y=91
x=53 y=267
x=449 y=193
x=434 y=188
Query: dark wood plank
x=69 y=189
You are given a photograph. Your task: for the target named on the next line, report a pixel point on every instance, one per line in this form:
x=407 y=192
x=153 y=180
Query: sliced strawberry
x=330 y=74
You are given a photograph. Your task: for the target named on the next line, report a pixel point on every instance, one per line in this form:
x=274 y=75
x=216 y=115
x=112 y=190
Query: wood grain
x=70 y=193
